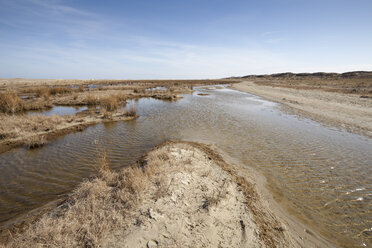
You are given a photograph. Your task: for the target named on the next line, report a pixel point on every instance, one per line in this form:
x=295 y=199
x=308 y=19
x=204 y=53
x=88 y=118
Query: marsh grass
x=109 y=103
x=43 y=92
x=10 y=103
x=35 y=141
x=91 y=99
x=60 y=90
x=13 y=126
x=131 y=112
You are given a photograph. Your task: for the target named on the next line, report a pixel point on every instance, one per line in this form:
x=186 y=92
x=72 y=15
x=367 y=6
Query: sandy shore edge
x=344 y=111
x=179 y=194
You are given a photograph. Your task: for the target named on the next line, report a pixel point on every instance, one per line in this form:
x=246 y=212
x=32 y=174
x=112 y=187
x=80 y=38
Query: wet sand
x=191 y=197
x=345 y=111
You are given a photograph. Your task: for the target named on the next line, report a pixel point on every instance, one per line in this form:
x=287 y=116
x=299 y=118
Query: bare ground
x=182 y=194
x=343 y=110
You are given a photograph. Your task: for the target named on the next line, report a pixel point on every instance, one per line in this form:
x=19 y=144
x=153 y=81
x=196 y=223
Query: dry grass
x=43 y=92
x=60 y=90
x=36 y=105
x=91 y=99
x=19 y=126
x=35 y=141
x=132 y=112
x=109 y=103
x=10 y=103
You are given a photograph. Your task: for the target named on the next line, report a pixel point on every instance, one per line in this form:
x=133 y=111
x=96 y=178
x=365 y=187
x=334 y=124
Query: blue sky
x=182 y=39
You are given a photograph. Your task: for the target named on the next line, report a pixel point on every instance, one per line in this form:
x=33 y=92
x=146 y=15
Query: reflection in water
x=322 y=173
x=161 y=88
x=58 y=110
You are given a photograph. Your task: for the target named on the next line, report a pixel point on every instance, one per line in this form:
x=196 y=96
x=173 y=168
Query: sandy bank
x=345 y=111
x=181 y=194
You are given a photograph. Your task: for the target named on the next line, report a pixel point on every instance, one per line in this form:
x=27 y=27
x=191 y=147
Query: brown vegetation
x=109 y=103
x=60 y=90
x=131 y=112
x=10 y=103
x=43 y=92
x=35 y=141
x=17 y=125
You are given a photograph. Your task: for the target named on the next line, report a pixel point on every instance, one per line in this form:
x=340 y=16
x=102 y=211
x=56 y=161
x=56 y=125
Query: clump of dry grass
x=35 y=141
x=43 y=92
x=109 y=103
x=131 y=112
x=10 y=102
x=60 y=90
x=91 y=99
x=121 y=97
x=107 y=115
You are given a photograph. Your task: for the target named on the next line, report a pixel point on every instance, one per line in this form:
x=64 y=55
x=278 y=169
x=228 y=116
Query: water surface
x=321 y=173
x=58 y=110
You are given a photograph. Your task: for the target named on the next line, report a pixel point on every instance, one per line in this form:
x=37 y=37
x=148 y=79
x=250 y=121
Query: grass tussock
x=35 y=141
x=91 y=99
x=60 y=90
x=109 y=103
x=131 y=112
x=43 y=92
x=10 y=103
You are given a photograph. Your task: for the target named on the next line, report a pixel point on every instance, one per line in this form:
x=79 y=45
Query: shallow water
x=161 y=88
x=320 y=173
x=58 y=110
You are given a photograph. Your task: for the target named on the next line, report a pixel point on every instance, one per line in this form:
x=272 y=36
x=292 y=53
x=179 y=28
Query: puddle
x=58 y=110
x=160 y=88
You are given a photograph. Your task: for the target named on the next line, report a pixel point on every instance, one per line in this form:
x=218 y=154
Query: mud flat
x=343 y=110
x=180 y=194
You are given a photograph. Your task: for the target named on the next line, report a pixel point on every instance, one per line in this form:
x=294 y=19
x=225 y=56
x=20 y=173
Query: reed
x=109 y=103
x=35 y=141
x=91 y=100
x=60 y=90
x=132 y=112
x=10 y=103
x=43 y=92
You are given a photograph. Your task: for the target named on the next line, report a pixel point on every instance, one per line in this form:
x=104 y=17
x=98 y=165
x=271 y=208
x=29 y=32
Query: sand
x=185 y=195
x=345 y=111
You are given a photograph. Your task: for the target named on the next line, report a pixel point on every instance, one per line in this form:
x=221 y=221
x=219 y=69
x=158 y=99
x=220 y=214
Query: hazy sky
x=182 y=38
